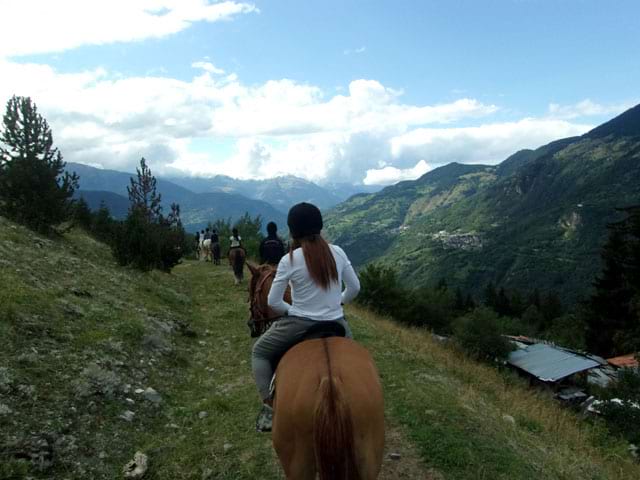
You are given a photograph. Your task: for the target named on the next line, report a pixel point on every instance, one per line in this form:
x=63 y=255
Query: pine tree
x=490 y=296
x=143 y=195
x=613 y=319
x=102 y=225
x=34 y=189
x=82 y=213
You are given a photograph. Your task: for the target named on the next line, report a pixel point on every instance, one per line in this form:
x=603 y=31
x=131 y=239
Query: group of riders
x=309 y=286
x=271 y=250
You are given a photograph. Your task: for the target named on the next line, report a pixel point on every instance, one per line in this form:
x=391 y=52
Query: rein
x=259 y=315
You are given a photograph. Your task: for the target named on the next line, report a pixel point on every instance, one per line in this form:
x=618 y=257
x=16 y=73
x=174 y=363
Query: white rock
x=5 y=410
x=137 y=467
x=203 y=414
x=509 y=418
x=128 y=415
x=227 y=447
x=151 y=395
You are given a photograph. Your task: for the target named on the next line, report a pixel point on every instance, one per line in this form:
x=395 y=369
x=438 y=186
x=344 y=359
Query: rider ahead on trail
x=272 y=247
x=235 y=239
x=315 y=270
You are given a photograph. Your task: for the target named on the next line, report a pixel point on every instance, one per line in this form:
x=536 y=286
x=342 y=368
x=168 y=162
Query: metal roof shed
x=549 y=363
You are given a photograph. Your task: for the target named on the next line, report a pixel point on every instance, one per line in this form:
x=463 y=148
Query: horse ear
x=252 y=268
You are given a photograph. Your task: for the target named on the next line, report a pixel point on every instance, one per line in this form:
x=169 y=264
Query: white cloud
x=358 y=50
x=488 y=143
x=54 y=26
x=208 y=67
x=587 y=108
x=279 y=127
x=389 y=175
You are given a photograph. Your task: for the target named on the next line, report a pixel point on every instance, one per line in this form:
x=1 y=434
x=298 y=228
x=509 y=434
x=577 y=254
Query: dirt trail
x=409 y=465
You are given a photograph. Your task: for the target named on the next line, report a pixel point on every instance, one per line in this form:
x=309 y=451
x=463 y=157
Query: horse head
x=261 y=314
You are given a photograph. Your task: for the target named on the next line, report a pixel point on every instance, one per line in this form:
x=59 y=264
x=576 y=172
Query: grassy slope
x=446 y=409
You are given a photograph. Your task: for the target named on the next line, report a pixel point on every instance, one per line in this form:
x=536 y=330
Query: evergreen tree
x=490 y=296
x=469 y=303
x=459 y=305
x=143 y=196
x=102 y=225
x=502 y=304
x=551 y=309
x=82 y=214
x=34 y=189
x=534 y=299
x=613 y=320
x=146 y=239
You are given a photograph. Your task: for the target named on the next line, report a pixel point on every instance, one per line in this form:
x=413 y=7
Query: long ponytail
x=319 y=259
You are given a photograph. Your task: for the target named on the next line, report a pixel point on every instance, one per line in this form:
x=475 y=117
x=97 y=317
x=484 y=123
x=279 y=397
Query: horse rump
x=237 y=258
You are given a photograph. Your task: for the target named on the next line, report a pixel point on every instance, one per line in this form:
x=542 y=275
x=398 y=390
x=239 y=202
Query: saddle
x=324 y=330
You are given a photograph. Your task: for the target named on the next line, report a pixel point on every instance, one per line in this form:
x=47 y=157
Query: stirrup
x=264 y=421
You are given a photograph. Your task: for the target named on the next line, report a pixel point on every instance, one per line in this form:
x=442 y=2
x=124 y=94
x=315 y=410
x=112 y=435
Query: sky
x=353 y=91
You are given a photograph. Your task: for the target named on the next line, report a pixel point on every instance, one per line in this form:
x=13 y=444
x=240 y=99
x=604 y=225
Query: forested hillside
x=537 y=220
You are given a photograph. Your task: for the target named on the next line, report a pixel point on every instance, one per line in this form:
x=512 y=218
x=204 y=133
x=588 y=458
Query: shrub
x=380 y=291
x=479 y=334
x=429 y=307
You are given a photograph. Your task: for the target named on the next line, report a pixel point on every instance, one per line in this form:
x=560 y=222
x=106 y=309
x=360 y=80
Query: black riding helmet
x=304 y=219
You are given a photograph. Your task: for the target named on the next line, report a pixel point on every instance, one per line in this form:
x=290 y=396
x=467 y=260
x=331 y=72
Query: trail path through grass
x=223 y=444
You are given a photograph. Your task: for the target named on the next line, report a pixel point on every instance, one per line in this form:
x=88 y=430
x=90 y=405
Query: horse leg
x=300 y=464
x=294 y=448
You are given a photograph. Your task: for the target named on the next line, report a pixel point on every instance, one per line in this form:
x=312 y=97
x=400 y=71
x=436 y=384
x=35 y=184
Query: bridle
x=260 y=320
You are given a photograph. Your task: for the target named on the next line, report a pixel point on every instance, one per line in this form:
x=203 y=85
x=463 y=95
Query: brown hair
x=319 y=259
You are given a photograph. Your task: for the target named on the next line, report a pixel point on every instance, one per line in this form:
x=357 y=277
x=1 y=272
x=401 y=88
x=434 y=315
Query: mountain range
x=536 y=220
x=204 y=200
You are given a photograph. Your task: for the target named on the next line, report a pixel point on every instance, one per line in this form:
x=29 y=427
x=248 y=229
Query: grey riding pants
x=280 y=337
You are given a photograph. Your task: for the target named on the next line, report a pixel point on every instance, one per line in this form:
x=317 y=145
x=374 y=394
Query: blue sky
x=363 y=91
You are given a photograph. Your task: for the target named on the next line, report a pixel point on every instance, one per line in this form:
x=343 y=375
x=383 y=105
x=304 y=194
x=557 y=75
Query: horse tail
x=238 y=263
x=333 y=431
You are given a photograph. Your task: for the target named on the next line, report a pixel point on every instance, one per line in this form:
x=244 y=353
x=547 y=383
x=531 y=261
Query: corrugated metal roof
x=549 y=363
x=628 y=361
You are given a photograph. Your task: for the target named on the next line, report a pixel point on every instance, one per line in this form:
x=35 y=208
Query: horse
x=328 y=406
x=206 y=249
x=215 y=250
x=236 y=260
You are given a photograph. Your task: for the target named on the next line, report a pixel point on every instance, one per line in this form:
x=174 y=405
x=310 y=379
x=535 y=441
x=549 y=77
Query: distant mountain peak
x=624 y=125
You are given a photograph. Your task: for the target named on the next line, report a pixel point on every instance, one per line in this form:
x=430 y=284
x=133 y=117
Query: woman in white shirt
x=235 y=240
x=315 y=270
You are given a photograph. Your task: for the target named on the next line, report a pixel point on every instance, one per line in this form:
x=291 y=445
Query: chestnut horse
x=237 y=256
x=328 y=407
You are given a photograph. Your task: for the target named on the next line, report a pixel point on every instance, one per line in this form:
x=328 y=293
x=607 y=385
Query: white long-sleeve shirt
x=308 y=299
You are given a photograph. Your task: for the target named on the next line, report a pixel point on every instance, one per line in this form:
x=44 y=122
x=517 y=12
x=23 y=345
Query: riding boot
x=264 y=421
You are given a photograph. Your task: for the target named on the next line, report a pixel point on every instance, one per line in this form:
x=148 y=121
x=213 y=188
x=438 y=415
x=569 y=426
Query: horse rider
x=272 y=247
x=235 y=240
x=315 y=270
x=215 y=244
x=197 y=239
